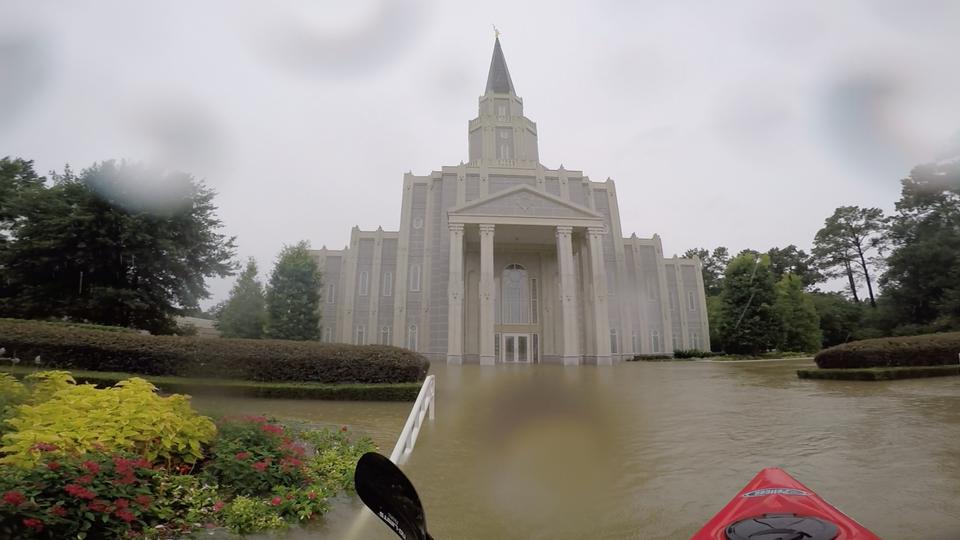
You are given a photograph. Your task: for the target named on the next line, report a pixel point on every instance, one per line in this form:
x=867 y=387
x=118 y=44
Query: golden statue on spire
x=496 y=31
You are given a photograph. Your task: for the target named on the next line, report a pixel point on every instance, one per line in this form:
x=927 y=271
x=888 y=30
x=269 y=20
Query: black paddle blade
x=388 y=492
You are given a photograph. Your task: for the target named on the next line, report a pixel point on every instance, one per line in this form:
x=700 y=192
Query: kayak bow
x=775 y=506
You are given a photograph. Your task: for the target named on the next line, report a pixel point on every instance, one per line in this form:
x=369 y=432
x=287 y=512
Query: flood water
x=653 y=450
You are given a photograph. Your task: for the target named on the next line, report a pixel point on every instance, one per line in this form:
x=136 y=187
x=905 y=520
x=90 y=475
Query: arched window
x=331 y=293
x=385 y=335
x=691 y=301
x=515 y=295
x=412 y=337
x=388 y=283
x=364 y=283
x=415 y=277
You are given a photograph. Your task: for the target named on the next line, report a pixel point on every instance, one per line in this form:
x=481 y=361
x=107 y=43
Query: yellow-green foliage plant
x=12 y=393
x=130 y=416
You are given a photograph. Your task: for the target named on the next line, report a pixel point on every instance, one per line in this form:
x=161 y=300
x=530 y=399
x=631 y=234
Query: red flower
x=99 y=505
x=45 y=447
x=91 y=466
x=121 y=503
x=14 y=497
x=143 y=500
x=218 y=506
x=312 y=495
x=276 y=501
x=240 y=456
x=126 y=479
x=85 y=479
x=53 y=465
x=290 y=463
x=261 y=465
x=257 y=419
x=125 y=515
x=58 y=511
x=79 y=492
x=34 y=524
x=343 y=428
x=270 y=428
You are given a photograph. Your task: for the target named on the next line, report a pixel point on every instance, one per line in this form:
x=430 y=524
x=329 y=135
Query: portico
x=541 y=266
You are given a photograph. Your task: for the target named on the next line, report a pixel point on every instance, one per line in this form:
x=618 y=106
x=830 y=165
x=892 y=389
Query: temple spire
x=498 y=80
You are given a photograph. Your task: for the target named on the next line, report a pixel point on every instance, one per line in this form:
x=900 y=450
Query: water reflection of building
x=501 y=259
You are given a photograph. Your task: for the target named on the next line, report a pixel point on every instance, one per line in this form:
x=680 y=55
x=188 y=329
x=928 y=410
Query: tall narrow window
x=695 y=341
x=534 y=302
x=415 y=277
x=496 y=346
x=536 y=349
x=331 y=293
x=655 y=345
x=673 y=301
x=636 y=343
x=364 y=283
x=412 y=337
x=676 y=342
x=614 y=342
x=327 y=334
x=515 y=295
x=385 y=335
x=361 y=336
x=691 y=301
x=388 y=283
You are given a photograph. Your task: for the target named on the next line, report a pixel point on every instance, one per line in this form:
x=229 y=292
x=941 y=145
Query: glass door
x=515 y=349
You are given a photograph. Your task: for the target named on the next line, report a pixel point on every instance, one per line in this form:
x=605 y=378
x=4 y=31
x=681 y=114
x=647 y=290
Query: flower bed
x=246 y=474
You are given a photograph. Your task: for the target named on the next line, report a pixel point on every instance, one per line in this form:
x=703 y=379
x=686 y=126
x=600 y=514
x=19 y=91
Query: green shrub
x=245 y=515
x=879 y=374
x=651 y=358
x=923 y=350
x=692 y=353
x=129 y=417
x=71 y=347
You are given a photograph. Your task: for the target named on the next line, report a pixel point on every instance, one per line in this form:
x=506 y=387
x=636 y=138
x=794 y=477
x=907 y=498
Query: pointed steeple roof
x=498 y=80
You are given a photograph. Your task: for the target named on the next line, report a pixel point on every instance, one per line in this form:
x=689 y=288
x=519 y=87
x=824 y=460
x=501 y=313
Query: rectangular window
x=496 y=347
x=331 y=293
x=534 y=303
x=655 y=345
x=364 y=283
x=385 y=335
x=415 y=277
x=614 y=342
x=673 y=301
x=412 y=337
x=691 y=301
x=636 y=343
x=505 y=143
x=361 y=336
x=536 y=349
x=328 y=335
x=695 y=341
x=676 y=342
x=388 y=283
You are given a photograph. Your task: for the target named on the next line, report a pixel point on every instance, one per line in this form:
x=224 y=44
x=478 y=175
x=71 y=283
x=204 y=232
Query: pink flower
x=261 y=466
x=79 y=492
x=270 y=428
x=53 y=465
x=58 y=511
x=85 y=479
x=125 y=515
x=14 y=497
x=240 y=456
x=91 y=466
x=218 y=506
x=143 y=500
x=276 y=501
x=45 y=447
x=99 y=505
x=121 y=503
x=34 y=524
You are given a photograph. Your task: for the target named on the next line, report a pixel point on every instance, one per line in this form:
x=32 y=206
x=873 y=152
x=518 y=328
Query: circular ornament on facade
x=417 y=222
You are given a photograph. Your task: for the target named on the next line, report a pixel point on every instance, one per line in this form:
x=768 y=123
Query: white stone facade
x=501 y=259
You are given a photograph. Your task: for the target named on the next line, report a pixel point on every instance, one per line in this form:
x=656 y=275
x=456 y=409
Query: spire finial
x=496 y=31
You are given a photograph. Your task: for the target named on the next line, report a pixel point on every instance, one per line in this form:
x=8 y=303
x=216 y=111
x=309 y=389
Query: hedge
x=923 y=350
x=71 y=347
x=879 y=374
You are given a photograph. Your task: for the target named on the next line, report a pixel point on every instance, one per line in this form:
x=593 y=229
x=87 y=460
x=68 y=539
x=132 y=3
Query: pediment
x=524 y=201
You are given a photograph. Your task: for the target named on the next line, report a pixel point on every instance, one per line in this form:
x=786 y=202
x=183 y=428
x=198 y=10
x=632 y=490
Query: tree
x=801 y=324
x=791 y=260
x=749 y=323
x=840 y=319
x=922 y=280
x=244 y=314
x=120 y=244
x=713 y=265
x=293 y=299
x=849 y=243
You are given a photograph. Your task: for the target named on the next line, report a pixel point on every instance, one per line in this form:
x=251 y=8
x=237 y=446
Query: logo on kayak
x=775 y=491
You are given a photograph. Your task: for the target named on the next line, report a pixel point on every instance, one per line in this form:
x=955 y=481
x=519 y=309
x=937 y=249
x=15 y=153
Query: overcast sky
x=741 y=124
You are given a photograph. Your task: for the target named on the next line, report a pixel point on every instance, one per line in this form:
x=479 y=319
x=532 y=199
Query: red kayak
x=774 y=506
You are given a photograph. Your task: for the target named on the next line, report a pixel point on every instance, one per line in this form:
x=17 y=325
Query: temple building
x=503 y=260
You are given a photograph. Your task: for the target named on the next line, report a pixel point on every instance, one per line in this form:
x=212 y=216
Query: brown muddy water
x=652 y=450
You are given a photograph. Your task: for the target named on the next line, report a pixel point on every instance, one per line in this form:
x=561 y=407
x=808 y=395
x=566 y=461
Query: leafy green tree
x=121 y=244
x=841 y=320
x=293 y=298
x=791 y=260
x=749 y=322
x=922 y=280
x=849 y=243
x=244 y=313
x=801 y=324
x=714 y=318
x=713 y=265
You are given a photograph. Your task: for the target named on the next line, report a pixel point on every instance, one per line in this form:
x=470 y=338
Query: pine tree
x=244 y=314
x=801 y=324
x=749 y=322
x=293 y=299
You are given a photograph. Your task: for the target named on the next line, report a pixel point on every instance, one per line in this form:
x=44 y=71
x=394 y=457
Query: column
x=486 y=295
x=568 y=297
x=601 y=315
x=455 y=301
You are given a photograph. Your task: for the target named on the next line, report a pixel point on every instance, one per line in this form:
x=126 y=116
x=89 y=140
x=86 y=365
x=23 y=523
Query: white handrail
x=423 y=406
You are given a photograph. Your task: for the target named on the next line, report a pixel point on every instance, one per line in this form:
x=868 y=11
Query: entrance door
x=515 y=349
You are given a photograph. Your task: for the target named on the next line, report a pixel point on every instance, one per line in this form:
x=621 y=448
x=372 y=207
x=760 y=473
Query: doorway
x=516 y=348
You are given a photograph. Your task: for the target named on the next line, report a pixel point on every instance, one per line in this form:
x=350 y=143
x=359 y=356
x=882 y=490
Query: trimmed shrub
x=692 y=353
x=879 y=374
x=923 y=350
x=71 y=347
